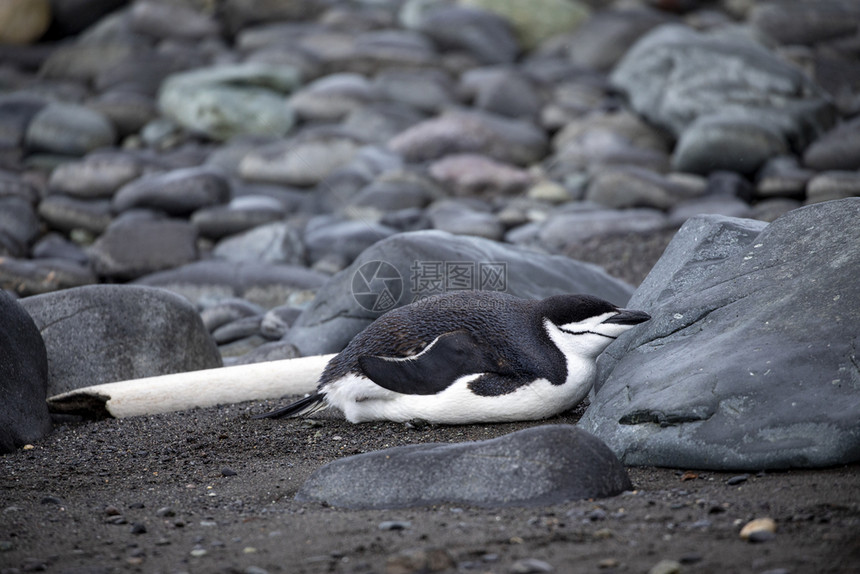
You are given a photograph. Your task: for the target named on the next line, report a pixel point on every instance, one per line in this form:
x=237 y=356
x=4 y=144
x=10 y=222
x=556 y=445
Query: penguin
x=470 y=357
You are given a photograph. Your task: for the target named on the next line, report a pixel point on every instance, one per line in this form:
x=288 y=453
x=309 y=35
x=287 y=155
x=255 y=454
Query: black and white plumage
x=471 y=356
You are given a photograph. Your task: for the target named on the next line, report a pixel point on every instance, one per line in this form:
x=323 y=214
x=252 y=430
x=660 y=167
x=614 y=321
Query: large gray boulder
x=750 y=359
x=676 y=77
x=543 y=465
x=105 y=333
x=24 y=414
x=410 y=266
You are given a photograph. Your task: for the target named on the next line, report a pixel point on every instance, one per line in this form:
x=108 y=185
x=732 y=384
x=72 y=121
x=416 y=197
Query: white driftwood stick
x=181 y=391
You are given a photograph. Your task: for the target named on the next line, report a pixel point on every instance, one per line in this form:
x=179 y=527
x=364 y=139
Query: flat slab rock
x=543 y=465
x=751 y=358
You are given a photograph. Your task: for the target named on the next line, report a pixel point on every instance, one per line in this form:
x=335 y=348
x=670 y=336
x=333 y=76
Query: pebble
x=69 y=129
x=132 y=248
x=739 y=479
x=762 y=528
x=138 y=528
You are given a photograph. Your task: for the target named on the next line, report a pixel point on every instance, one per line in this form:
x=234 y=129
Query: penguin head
x=585 y=325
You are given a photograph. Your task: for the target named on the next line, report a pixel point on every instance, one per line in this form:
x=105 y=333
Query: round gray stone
x=104 y=333
x=69 y=129
x=134 y=247
x=177 y=192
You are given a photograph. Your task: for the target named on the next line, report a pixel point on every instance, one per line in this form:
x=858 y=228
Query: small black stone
x=741 y=478
x=395 y=525
x=138 y=528
x=52 y=500
x=228 y=472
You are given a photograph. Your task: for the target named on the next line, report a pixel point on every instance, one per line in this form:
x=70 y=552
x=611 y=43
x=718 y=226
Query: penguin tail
x=301 y=408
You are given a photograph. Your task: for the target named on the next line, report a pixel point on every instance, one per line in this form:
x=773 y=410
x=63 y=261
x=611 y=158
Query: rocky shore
x=186 y=184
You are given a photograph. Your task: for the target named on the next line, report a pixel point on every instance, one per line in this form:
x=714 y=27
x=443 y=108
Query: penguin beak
x=628 y=317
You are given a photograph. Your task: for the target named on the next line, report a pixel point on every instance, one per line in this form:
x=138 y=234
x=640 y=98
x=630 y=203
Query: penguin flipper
x=431 y=371
x=302 y=407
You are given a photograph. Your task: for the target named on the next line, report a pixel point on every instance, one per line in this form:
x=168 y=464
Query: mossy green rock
x=536 y=20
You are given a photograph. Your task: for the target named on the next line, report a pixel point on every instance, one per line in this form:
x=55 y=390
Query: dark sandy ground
x=211 y=490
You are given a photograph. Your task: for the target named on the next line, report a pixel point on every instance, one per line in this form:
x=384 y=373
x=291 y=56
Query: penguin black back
x=492 y=319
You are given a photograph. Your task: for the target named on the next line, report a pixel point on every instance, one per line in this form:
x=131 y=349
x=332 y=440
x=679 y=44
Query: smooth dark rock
x=540 y=466
x=69 y=129
x=455 y=218
x=483 y=35
x=131 y=248
x=275 y=242
x=424 y=90
x=607 y=35
x=747 y=362
x=241 y=214
x=727 y=142
x=272 y=351
x=227 y=311
x=712 y=205
x=502 y=91
x=837 y=149
x=178 y=192
x=67 y=213
x=16 y=112
x=238 y=329
x=793 y=22
x=18 y=220
x=782 y=176
x=626 y=187
x=833 y=185
x=55 y=246
x=104 y=333
x=13 y=185
x=423 y=263
x=344 y=240
x=24 y=414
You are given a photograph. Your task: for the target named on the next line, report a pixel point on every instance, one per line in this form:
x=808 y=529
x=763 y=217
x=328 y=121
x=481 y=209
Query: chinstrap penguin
x=468 y=357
